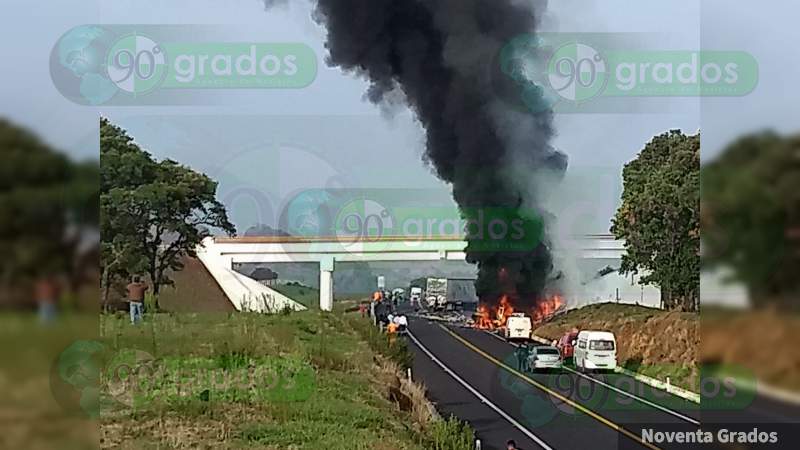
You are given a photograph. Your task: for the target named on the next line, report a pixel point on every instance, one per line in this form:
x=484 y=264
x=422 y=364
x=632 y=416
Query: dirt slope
x=195 y=290
x=649 y=340
x=762 y=342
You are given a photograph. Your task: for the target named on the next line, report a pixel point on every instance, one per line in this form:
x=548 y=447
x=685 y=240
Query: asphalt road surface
x=473 y=375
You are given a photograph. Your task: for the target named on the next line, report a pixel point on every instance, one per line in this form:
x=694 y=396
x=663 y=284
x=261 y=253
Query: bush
x=451 y=434
x=232 y=360
x=396 y=350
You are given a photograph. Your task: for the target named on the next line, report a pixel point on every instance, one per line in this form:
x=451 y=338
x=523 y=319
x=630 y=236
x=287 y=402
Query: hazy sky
x=266 y=146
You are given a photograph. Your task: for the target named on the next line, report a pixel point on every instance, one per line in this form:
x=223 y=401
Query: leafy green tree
x=659 y=218
x=33 y=211
x=153 y=213
x=751 y=215
x=47 y=204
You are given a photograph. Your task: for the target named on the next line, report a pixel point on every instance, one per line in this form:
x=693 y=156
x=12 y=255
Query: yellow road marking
x=555 y=394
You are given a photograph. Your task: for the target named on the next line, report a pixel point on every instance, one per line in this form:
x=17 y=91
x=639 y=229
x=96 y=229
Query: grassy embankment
x=356 y=398
x=650 y=341
x=33 y=414
x=309 y=297
x=760 y=344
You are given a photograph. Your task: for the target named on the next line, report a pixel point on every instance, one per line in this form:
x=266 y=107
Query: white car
x=596 y=350
x=544 y=357
x=518 y=326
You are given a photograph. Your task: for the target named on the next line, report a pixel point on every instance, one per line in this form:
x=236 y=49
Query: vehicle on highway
x=566 y=345
x=459 y=292
x=446 y=294
x=436 y=293
x=596 y=350
x=544 y=357
x=415 y=295
x=518 y=326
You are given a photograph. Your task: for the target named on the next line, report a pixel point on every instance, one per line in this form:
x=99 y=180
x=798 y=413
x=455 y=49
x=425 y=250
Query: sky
x=267 y=147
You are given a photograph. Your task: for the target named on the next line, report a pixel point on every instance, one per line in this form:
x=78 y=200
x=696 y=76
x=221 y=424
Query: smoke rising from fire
x=440 y=56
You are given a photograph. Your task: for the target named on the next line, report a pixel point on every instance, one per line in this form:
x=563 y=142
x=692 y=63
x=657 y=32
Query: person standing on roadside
x=136 y=289
x=522 y=353
x=46 y=293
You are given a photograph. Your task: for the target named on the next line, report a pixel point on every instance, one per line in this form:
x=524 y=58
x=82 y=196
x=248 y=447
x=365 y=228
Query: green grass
x=307 y=296
x=341 y=405
x=41 y=417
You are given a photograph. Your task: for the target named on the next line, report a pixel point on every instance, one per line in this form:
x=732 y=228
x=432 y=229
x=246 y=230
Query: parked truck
x=459 y=292
x=449 y=293
x=436 y=293
x=415 y=296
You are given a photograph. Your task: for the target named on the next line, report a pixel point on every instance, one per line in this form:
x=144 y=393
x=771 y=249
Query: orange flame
x=546 y=308
x=482 y=318
x=504 y=311
x=485 y=320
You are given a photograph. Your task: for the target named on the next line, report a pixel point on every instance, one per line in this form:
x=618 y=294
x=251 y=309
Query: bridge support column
x=326 y=284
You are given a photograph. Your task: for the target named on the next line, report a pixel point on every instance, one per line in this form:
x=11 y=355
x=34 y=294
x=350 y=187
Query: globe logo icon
x=78 y=65
x=91 y=65
x=75 y=378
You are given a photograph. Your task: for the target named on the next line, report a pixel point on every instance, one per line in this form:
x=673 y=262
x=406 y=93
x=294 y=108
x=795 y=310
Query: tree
x=153 y=213
x=659 y=218
x=45 y=205
x=751 y=215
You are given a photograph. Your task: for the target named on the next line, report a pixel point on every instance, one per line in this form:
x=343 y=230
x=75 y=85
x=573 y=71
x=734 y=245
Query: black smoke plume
x=441 y=56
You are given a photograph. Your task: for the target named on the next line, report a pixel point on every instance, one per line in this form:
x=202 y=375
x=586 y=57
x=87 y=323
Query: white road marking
x=480 y=396
x=619 y=391
x=637 y=398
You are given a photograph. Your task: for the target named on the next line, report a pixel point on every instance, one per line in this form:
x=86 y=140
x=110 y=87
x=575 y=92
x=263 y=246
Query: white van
x=518 y=326
x=596 y=350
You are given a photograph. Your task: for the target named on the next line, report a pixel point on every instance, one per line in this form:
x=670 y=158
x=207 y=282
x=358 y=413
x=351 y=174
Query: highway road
x=473 y=375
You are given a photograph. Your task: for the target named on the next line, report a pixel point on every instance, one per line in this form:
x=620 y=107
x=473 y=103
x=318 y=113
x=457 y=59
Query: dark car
x=566 y=345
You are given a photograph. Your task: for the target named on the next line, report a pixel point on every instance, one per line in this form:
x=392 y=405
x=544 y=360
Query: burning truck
x=488 y=127
x=507 y=320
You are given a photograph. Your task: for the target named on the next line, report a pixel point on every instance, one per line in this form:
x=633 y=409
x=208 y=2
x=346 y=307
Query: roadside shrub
x=394 y=348
x=232 y=359
x=326 y=357
x=451 y=434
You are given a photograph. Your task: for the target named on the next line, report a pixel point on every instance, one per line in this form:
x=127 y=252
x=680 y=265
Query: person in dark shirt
x=522 y=352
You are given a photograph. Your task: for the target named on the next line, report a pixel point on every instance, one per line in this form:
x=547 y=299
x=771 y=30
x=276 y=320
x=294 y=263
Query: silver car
x=545 y=357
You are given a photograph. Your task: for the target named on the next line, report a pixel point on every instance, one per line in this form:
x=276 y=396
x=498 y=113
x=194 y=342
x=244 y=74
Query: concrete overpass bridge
x=219 y=254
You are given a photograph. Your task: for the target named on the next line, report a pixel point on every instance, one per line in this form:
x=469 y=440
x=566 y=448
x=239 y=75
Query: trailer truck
x=449 y=293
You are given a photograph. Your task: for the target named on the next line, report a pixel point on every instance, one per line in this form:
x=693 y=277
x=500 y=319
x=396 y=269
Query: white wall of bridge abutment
x=245 y=293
